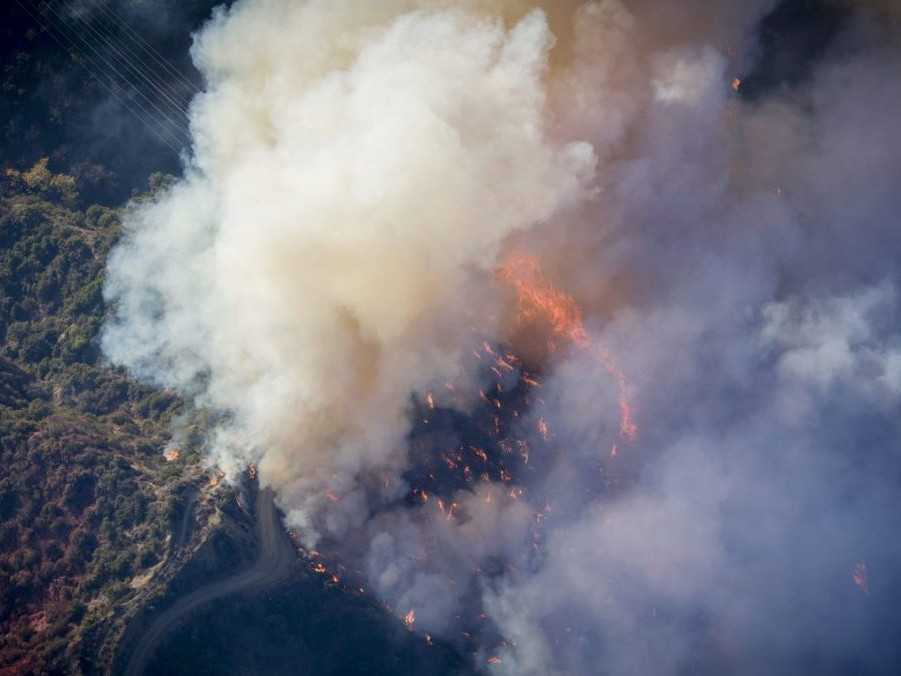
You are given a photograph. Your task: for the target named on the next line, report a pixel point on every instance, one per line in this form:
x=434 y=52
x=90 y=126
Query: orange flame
x=539 y=299
x=410 y=618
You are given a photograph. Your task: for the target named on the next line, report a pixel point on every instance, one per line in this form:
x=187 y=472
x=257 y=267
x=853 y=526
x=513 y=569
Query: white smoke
x=348 y=185
x=358 y=169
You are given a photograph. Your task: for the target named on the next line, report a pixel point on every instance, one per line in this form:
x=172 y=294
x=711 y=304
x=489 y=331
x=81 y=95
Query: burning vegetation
x=496 y=450
x=540 y=300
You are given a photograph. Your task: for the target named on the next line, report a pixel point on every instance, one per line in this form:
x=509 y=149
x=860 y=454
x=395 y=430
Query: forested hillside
x=103 y=522
x=87 y=499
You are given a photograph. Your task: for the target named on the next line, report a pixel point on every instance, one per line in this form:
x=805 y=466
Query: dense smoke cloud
x=360 y=170
x=316 y=265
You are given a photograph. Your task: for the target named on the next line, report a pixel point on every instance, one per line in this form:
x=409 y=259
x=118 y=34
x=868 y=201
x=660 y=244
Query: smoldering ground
x=358 y=173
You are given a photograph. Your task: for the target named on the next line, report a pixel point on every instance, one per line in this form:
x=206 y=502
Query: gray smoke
x=360 y=169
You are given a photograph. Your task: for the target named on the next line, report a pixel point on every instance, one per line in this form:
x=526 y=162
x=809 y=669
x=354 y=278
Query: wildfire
x=539 y=299
x=495 y=454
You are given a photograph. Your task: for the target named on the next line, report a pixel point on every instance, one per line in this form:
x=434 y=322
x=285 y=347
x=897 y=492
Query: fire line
x=538 y=298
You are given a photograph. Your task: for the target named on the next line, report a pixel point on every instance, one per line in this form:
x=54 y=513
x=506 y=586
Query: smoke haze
x=359 y=172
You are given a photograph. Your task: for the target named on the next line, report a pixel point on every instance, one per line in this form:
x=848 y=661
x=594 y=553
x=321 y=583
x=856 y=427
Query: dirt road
x=273 y=565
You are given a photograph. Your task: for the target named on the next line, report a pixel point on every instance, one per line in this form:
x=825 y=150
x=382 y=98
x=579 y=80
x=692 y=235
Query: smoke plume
x=359 y=173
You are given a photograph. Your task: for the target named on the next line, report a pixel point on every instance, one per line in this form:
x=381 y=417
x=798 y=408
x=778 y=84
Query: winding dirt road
x=273 y=565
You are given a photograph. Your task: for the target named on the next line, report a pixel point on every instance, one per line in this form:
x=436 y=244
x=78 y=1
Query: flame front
x=539 y=299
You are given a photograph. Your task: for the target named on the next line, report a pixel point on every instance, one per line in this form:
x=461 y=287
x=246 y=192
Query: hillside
x=100 y=530
x=87 y=500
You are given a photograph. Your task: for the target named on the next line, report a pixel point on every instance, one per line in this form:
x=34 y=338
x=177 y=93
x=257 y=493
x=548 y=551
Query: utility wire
x=160 y=82
x=92 y=55
x=136 y=110
x=148 y=48
x=136 y=66
x=177 y=130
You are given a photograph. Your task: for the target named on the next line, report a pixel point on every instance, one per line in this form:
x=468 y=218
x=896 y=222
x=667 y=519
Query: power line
x=135 y=65
x=148 y=48
x=119 y=42
x=177 y=130
x=136 y=110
